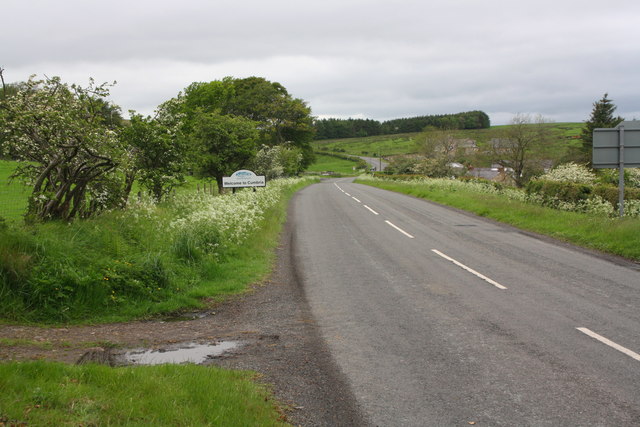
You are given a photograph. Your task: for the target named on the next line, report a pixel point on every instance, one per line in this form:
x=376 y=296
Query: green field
x=389 y=145
x=325 y=163
x=371 y=145
x=13 y=195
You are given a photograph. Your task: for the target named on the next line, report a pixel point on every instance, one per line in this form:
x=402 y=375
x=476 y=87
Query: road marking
x=371 y=210
x=470 y=270
x=356 y=199
x=347 y=194
x=610 y=343
x=399 y=229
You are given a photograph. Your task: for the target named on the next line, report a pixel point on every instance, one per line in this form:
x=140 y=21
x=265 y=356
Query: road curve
x=375 y=163
x=441 y=318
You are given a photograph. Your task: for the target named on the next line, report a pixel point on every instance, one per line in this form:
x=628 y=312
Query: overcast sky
x=345 y=58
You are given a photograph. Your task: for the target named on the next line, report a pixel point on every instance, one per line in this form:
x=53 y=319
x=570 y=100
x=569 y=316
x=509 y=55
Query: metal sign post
x=617 y=147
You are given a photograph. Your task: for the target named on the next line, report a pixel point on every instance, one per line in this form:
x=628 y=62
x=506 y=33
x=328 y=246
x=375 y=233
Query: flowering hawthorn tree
x=68 y=152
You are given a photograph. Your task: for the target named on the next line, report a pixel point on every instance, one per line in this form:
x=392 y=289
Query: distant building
x=495 y=173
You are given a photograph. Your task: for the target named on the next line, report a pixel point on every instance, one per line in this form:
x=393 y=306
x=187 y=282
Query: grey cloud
x=378 y=59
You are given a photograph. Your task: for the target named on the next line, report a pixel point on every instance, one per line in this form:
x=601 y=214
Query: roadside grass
x=611 y=235
x=125 y=265
x=47 y=393
x=326 y=163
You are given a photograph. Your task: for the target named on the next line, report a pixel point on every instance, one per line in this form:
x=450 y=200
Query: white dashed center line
x=371 y=210
x=399 y=229
x=470 y=270
x=610 y=343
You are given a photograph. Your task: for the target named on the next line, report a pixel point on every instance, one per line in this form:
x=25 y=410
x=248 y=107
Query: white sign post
x=243 y=178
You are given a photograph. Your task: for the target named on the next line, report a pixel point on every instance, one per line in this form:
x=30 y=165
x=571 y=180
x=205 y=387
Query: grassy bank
x=41 y=393
x=611 y=235
x=144 y=260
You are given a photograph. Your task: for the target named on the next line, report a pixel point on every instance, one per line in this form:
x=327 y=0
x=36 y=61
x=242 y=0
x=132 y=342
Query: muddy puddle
x=179 y=353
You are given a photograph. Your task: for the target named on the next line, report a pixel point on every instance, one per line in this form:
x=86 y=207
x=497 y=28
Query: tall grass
x=141 y=261
x=40 y=393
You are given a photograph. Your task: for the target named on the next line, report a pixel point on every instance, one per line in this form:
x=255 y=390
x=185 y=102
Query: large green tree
x=226 y=143
x=280 y=118
x=601 y=117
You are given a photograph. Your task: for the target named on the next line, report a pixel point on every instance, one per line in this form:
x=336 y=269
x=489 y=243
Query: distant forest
x=350 y=128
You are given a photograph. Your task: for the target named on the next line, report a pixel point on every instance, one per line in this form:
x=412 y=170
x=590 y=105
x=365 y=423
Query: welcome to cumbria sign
x=243 y=178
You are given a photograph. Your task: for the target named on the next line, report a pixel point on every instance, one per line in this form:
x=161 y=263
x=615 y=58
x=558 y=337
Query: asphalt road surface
x=441 y=318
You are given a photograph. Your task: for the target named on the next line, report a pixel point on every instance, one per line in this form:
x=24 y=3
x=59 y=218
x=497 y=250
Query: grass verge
x=45 y=393
x=614 y=236
x=141 y=262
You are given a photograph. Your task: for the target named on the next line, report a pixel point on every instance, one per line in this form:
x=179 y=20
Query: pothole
x=179 y=353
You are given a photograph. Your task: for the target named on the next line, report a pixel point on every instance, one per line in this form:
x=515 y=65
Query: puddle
x=180 y=353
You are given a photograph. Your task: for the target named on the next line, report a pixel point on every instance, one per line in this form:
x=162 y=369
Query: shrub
x=564 y=191
x=612 y=194
x=611 y=177
x=570 y=173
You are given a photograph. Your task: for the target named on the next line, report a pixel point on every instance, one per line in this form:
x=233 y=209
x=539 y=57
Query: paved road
x=376 y=163
x=441 y=318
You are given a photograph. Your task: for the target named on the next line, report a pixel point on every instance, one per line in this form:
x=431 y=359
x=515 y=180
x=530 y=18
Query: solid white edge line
x=371 y=210
x=610 y=343
x=399 y=229
x=470 y=270
x=356 y=199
